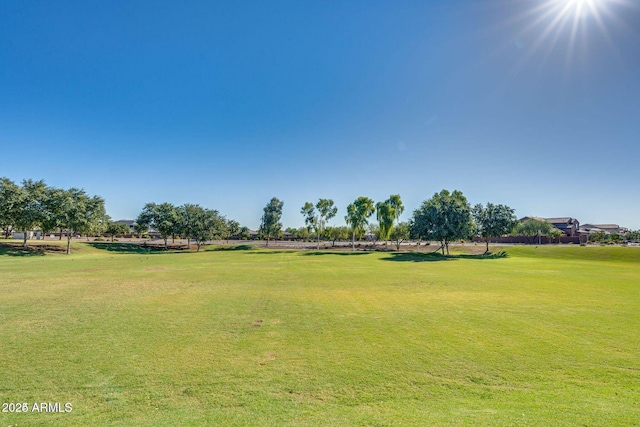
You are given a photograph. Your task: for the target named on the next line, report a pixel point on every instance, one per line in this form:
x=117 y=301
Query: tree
x=555 y=234
x=79 y=213
x=53 y=204
x=386 y=215
x=615 y=237
x=357 y=216
x=163 y=217
x=599 y=236
x=204 y=224
x=29 y=209
x=400 y=233
x=531 y=228
x=632 y=236
x=245 y=233
x=373 y=233
x=317 y=220
x=303 y=233
x=270 y=223
x=493 y=221
x=185 y=221
x=114 y=229
x=96 y=228
x=232 y=229
x=396 y=203
x=10 y=194
x=444 y=217
x=337 y=233
x=140 y=229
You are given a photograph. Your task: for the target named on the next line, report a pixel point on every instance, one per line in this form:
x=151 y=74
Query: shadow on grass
x=497 y=255
x=434 y=257
x=268 y=251
x=135 y=248
x=340 y=253
x=237 y=248
x=11 y=250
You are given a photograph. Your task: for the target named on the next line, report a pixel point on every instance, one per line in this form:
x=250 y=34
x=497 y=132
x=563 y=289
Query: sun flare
x=569 y=26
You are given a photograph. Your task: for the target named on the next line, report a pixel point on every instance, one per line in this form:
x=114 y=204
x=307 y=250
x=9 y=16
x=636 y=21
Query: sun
x=548 y=26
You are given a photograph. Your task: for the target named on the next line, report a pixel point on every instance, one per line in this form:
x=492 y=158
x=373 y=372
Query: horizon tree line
x=445 y=217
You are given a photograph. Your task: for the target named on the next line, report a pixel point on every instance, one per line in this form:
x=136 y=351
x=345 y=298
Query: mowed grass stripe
x=260 y=337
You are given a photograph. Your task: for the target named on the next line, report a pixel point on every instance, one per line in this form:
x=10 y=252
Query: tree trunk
x=487 y=245
x=353 y=241
x=188 y=242
x=442 y=247
x=24 y=240
x=386 y=245
x=318 y=240
x=68 y=243
x=267 y=241
x=166 y=246
x=112 y=237
x=198 y=247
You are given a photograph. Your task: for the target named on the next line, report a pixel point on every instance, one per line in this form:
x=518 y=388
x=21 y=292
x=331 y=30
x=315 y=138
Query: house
x=128 y=222
x=569 y=226
x=607 y=228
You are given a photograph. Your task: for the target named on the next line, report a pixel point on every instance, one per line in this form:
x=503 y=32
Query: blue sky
x=227 y=104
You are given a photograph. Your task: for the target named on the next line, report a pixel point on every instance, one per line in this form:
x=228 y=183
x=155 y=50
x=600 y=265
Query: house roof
x=560 y=220
x=589 y=229
x=126 y=221
x=563 y=220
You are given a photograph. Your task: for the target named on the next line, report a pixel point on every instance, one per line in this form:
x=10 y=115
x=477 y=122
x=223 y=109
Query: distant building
x=130 y=223
x=607 y=228
x=569 y=226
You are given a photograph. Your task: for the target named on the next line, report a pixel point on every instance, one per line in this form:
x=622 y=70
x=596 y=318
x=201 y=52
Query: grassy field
x=544 y=336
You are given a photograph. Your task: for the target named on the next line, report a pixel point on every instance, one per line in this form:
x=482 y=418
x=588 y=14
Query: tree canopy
x=532 y=227
x=79 y=213
x=29 y=209
x=400 y=233
x=316 y=217
x=444 y=217
x=493 y=221
x=10 y=195
x=114 y=229
x=386 y=215
x=163 y=217
x=270 y=225
x=357 y=216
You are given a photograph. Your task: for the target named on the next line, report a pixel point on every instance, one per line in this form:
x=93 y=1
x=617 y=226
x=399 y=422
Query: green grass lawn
x=546 y=336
